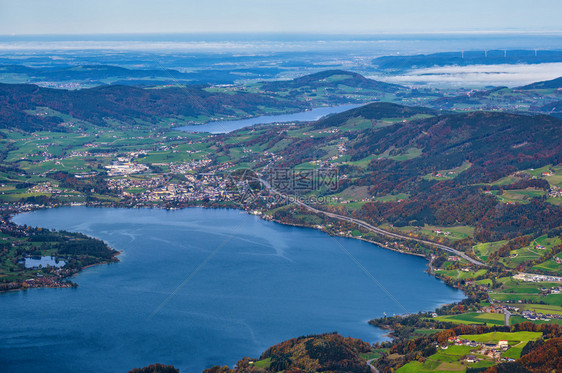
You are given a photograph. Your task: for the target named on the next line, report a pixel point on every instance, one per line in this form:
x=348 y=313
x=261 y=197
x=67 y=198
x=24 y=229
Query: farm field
x=518 y=195
x=462 y=275
x=474 y=318
x=448 y=174
x=454 y=357
x=452 y=233
x=495 y=337
x=535 y=251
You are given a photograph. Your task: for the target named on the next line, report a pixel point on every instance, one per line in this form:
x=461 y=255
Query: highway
x=372 y=228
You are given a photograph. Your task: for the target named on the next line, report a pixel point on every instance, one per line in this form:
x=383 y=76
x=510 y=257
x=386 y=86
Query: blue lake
x=199 y=287
x=43 y=262
x=233 y=125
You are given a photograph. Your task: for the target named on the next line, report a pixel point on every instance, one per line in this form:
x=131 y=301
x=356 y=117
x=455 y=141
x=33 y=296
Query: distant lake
x=233 y=125
x=240 y=284
x=43 y=261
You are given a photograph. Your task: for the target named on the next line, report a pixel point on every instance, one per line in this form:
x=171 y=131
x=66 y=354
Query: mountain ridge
x=127 y=104
x=341 y=77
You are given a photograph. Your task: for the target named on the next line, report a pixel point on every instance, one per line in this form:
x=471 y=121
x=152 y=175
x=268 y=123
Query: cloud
x=478 y=75
x=194 y=46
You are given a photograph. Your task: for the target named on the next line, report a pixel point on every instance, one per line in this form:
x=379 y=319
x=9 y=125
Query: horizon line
x=303 y=33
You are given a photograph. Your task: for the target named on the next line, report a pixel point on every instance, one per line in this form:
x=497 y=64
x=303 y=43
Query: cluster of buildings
x=530 y=315
x=554 y=290
x=193 y=185
x=63 y=85
x=481 y=350
x=56 y=281
x=498 y=308
x=539 y=316
x=554 y=192
x=444 y=174
x=156 y=188
x=439 y=231
x=272 y=157
x=47 y=187
x=328 y=131
x=207 y=187
x=85 y=153
x=531 y=277
x=125 y=168
x=188 y=167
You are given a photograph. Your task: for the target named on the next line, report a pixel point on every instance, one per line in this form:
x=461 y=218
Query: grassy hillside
x=548 y=84
x=332 y=78
x=376 y=112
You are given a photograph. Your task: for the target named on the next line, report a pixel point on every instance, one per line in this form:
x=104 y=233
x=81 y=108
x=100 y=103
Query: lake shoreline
x=72 y=221
x=231 y=125
x=60 y=277
x=387 y=247
x=60 y=281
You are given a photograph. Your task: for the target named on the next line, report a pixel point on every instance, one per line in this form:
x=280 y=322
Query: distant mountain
x=548 y=84
x=375 y=111
x=91 y=72
x=492 y=57
x=331 y=79
x=126 y=104
x=108 y=74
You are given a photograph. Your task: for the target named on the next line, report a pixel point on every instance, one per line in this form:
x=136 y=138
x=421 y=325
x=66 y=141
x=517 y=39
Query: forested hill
x=312 y=353
x=495 y=143
x=552 y=108
x=467 y=58
x=108 y=74
x=443 y=167
x=548 y=84
x=555 y=108
x=92 y=72
x=126 y=104
x=376 y=111
x=331 y=79
x=522 y=99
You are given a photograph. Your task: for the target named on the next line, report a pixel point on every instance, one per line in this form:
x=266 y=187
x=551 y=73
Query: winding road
x=372 y=228
x=373 y=368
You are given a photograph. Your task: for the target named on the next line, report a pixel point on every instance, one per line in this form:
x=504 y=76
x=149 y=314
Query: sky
x=18 y=17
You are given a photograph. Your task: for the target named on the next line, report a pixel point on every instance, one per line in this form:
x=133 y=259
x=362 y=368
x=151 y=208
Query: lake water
x=233 y=125
x=43 y=262
x=199 y=287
